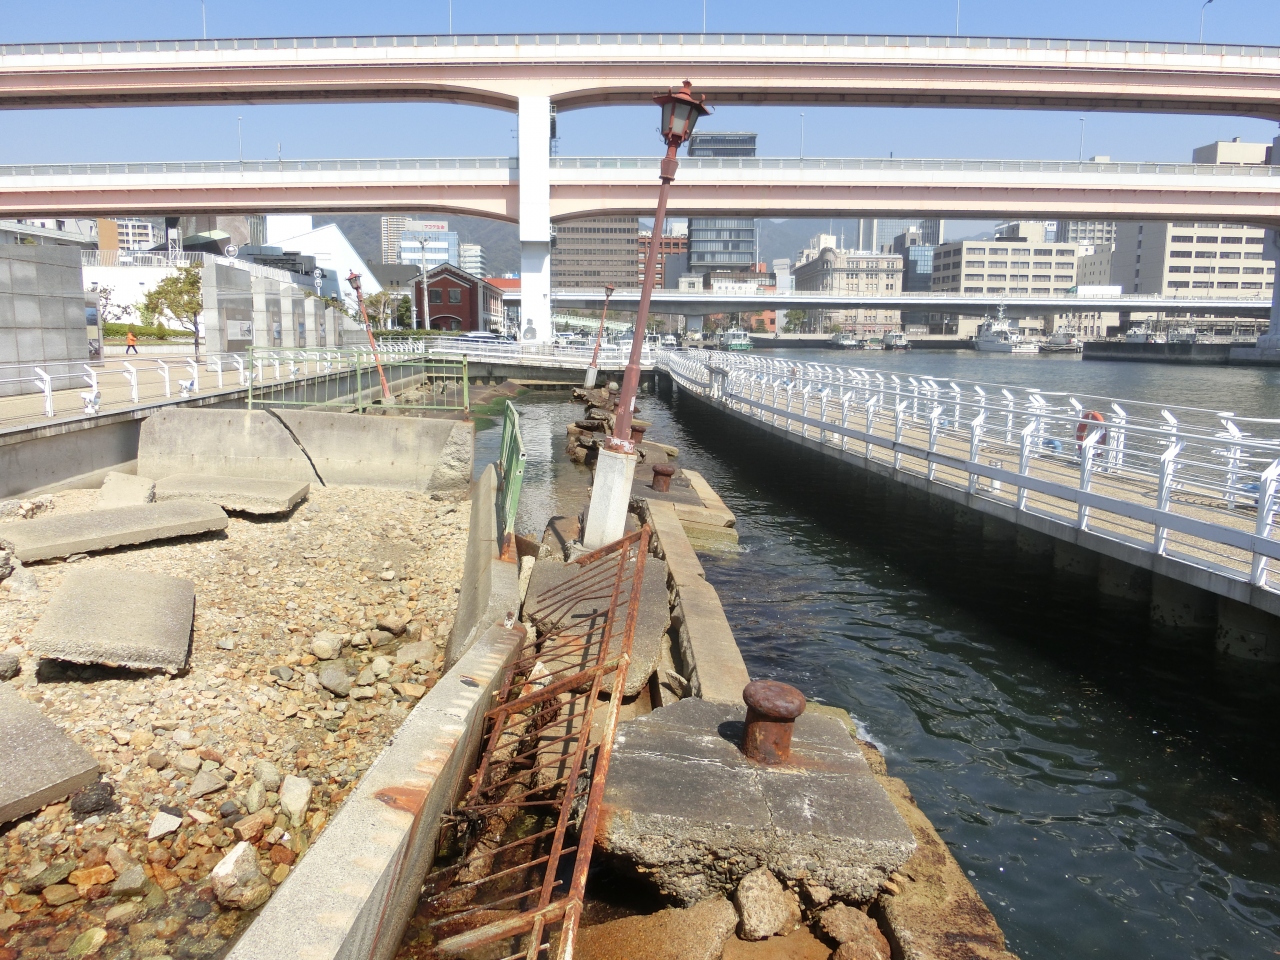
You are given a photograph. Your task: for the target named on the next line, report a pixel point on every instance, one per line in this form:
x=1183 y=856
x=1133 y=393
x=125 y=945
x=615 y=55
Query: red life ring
x=1087 y=419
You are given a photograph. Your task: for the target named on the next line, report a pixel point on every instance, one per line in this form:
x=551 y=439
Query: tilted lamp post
x=616 y=464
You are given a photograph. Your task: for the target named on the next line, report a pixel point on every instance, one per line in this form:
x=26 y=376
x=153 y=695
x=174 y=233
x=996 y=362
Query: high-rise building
x=722 y=243
x=428 y=244
x=471 y=258
x=1086 y=231
x=887 y=230
x=852 y=272
x=596 y=251
x=135 y=234
x=392 y=227
x=917 y=274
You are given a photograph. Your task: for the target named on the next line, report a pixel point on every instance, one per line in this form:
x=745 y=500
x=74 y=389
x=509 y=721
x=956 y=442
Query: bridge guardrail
x=1199 y=486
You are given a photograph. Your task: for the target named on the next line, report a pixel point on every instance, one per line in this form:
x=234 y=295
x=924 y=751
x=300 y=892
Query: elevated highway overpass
x=589 y=186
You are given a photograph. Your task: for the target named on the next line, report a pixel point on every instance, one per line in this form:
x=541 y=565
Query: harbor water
x=1111 y=791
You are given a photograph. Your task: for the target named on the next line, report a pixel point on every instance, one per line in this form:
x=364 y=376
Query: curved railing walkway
x=1188 y=493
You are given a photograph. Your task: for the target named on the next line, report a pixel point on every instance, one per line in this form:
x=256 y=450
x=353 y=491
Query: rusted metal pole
x=354 y=279
x=595 y=354
x=772 y=708
x=621 y=439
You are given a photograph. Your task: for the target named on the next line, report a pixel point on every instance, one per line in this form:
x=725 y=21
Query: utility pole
x=354 y=280
x=1202 y=9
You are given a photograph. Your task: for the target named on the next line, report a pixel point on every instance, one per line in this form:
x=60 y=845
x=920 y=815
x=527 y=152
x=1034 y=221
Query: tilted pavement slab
x=684 y=806
x=123 y=618
x=125 y=489
x=652 y=621
x=242 y=494
x=61 y=535
x=39 y=764
x=224 y=443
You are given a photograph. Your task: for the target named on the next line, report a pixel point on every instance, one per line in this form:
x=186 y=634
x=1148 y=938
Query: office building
x=1084 y=232
x=1036 y=231
x=127 y=233
x=673 y=246
x=833 y=270
x=594 y=252
x=1009 y=267
x=471 y=258
x=722 y=243
x=1233 y=152
x=917 y=275
x=428 y=244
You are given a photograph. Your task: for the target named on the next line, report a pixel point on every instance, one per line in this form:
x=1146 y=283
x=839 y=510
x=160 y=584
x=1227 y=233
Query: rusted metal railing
x=514 y=873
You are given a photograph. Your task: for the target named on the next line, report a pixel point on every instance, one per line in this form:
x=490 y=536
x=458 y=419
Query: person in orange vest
x=131 y=342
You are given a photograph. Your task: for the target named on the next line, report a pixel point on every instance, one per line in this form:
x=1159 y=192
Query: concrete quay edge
x=352 y=894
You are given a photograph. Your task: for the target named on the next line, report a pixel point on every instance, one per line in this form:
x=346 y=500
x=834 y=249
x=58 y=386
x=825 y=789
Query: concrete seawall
x=1213 y=354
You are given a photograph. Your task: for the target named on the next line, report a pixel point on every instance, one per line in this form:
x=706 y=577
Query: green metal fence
x=348 y=379
x=511 y=459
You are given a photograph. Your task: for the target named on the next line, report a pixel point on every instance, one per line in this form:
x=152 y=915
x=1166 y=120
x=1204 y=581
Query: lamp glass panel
x=666 y=117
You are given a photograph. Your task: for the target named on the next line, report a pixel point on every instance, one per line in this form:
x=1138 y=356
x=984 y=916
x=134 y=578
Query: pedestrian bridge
x=1109 y=486
x=705 y=186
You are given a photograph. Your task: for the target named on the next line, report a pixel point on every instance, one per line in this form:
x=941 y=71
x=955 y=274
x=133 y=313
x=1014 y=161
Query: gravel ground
x=354 y=574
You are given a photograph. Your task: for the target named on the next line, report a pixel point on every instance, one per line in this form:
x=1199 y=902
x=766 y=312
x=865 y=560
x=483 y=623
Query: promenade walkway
x=1194 y=491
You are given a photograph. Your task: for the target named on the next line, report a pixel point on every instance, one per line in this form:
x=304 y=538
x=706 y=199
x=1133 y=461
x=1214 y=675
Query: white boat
x=896 y=341
x=847 y=341
x=1141 y=333
x=737 y=340
x=1062 y=341
x=669 y=342
x=994 y=336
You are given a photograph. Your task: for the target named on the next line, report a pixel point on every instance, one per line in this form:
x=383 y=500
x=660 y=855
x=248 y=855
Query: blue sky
x=436 y=130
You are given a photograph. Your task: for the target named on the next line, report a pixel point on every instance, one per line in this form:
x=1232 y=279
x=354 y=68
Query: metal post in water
x=589 y=380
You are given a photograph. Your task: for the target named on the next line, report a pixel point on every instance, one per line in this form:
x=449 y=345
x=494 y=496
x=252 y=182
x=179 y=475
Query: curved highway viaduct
x=588 y=186
x=530 y=73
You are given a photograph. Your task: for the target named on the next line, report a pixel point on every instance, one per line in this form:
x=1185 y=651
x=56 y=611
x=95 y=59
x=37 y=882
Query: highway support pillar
x=534 y=131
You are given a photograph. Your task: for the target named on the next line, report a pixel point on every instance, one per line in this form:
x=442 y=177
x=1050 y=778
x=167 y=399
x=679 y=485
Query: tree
x=794 y=319
x=111 y=312
x=381 y=308
x=404 y=312
x=178 y=296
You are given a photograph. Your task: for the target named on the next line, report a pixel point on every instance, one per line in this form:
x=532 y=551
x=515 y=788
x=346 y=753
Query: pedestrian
x=131 y=342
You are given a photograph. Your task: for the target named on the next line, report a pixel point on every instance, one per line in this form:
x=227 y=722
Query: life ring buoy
x=1087 y=419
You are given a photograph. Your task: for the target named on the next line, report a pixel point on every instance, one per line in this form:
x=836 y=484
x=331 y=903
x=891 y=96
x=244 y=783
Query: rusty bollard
x=772 y=708
x=637 y=434
x=662 y=474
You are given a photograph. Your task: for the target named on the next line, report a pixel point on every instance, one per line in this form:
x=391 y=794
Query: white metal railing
x=1195 y=485
x=544 y=44
x=75 y=389
x=542 y=354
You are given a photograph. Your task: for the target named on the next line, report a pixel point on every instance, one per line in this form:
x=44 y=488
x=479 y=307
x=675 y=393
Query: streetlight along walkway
x=1193 y=490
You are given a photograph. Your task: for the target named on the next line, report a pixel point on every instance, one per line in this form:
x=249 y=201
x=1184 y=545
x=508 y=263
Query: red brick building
x=452 y=299
x=667 y=246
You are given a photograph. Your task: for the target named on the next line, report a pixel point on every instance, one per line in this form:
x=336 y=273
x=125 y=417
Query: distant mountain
x=501 y=241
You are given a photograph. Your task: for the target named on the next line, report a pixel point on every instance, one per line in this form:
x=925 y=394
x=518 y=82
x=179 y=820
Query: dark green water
x=1112 y=792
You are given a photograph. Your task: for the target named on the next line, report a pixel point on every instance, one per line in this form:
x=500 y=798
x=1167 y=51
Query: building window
x=1042 y=278
x=1228 y=286
x=1229 y=255
x=1252 y=269
x=1202 y=285
x=1206 y=239
x=998 y=265
x=1179 y=269
x=1044 y=265
x=1180 y=254
x=434 y=296
x=1179 y=284
x=1182 y=239
x=1058 y=279
x=1044 y=253
x=1206 y=255
x=455 y=296
x=995 y=289
x=1250 y=286
x=1040 y=291
x=1228 y=269
x=972 y=289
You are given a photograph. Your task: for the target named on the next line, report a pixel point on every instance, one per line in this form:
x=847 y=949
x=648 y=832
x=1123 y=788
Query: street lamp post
x=616 y=463
x=1202 y=9
x=589 y=380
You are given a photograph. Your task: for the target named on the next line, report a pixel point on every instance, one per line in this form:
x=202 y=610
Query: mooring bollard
x=772 y=708
x=662 y=474
x=637 y=433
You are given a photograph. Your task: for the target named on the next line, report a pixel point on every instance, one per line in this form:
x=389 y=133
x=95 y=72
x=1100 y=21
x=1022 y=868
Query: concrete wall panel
x=228 y=443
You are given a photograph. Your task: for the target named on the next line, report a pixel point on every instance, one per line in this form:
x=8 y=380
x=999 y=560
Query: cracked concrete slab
x=225 y=443
x=652 y=621
x=125 y=489
x=242 y=494
x=683 y=805
x=39 y=764
x=61 y=535
x=122 y=618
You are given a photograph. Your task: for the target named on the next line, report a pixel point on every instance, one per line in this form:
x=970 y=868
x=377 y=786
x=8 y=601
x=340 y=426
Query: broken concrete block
x=237 y=881
x=546 y=611
x=125 y=490
x=686 y=807
x=61 y=535
x=242 y=494
x=39 y=764
x=125 y=618
x=767 y=908
x=295 y=797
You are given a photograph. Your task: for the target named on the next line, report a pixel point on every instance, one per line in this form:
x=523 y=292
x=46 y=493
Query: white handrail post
x=1164 y=489
x=195 y=375
x=46 y=387
x=92 y=397
x=218 y=365
x=822 y=414
x=899 y=423
x=845 y=400
x=975 y=445
x=1266 y=510
x=164 y=372
x=955 y=393
x=1087 y=450
x=1025 y=439
x=982 y=401
x=1233 y=462
x=915 y=398
x=131 y=375
x=240 y=370
x=1117 y=436
x=935 y=416
x=871 y=416
x=1008 y=416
